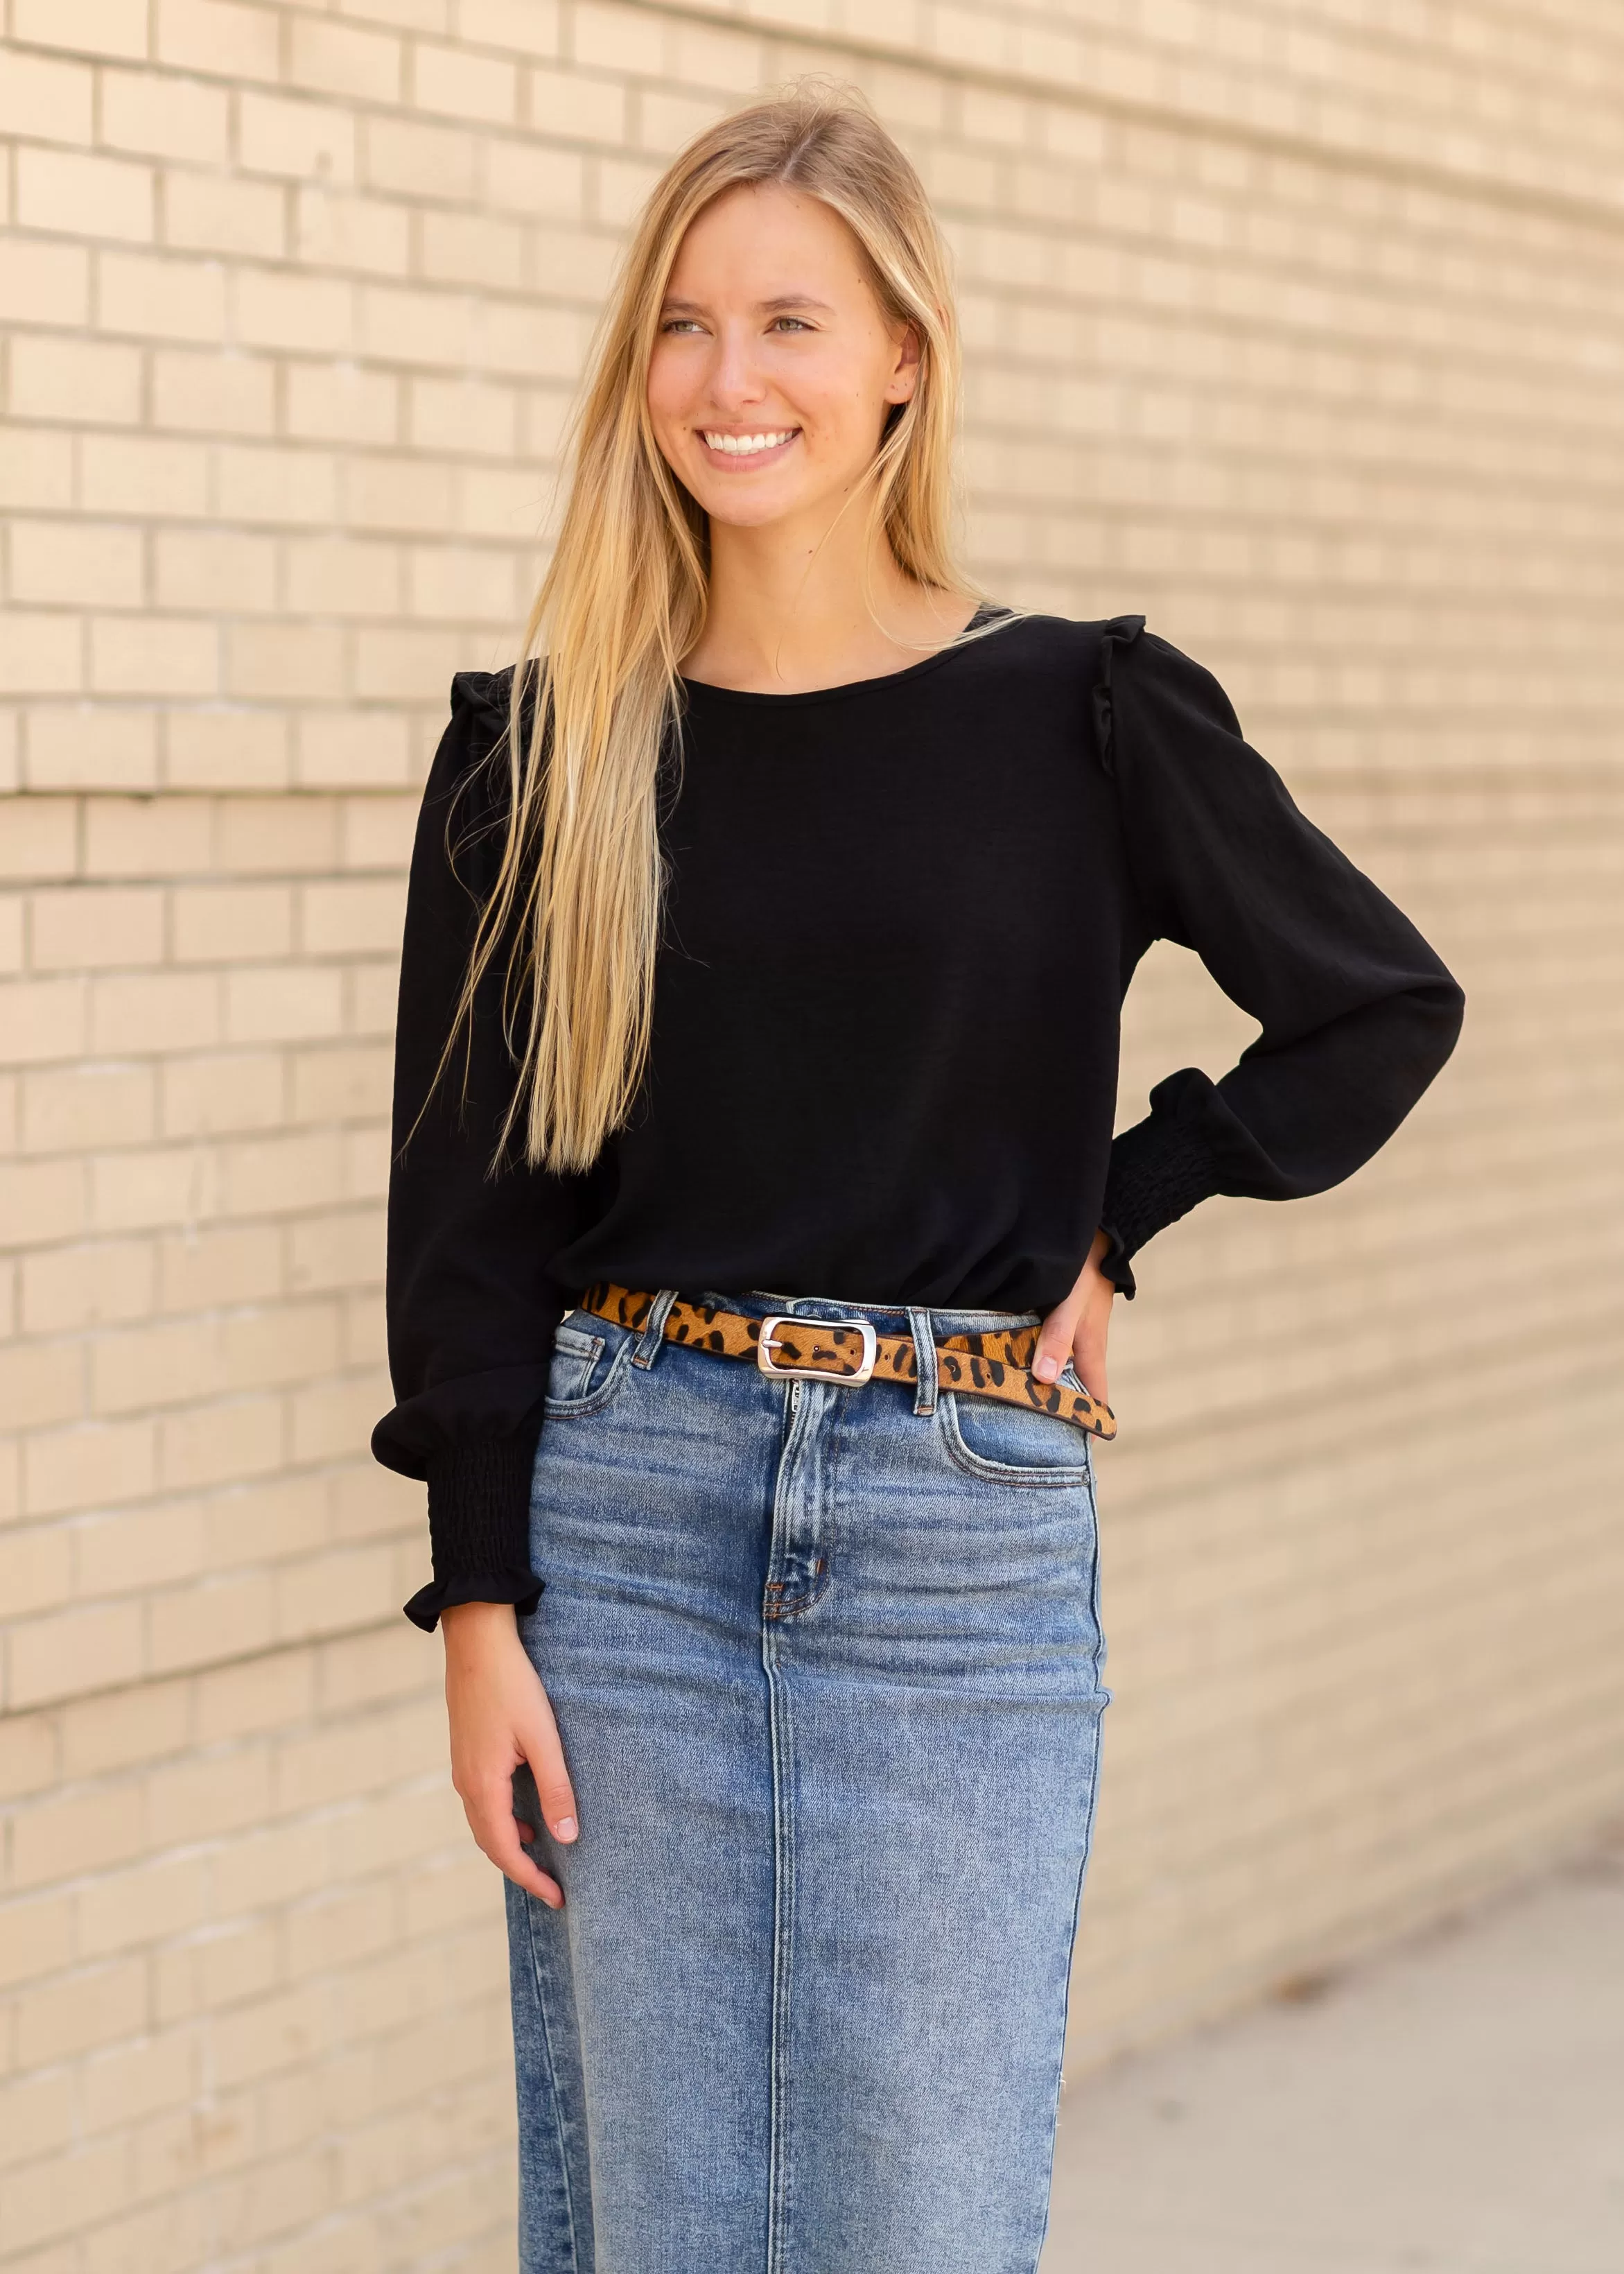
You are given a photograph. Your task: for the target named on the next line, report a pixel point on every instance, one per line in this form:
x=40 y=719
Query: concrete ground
x=1454 y=2104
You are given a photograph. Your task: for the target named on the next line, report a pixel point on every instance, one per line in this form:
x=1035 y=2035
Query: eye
x=799 y=322
x=681 y=323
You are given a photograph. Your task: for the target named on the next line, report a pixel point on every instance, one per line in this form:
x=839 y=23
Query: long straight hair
x=579 y=886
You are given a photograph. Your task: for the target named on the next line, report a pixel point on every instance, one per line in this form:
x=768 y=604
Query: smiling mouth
x=748 y=447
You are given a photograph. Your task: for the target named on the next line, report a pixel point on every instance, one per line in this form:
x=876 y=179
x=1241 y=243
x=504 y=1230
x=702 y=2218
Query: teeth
x=745 y=446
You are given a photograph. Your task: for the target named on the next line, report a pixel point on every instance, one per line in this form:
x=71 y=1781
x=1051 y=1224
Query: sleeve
x=469 y=1307
x=1358 y=1012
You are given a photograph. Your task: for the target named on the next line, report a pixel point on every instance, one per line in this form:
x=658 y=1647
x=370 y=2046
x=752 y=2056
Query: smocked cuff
x=479 y=1509
x=1160 y=1170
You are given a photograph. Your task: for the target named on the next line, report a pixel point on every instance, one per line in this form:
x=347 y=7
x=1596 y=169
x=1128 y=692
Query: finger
x=1053 y=1345
x=544 y=1750
x=1089 y=1359
x=497 y=1833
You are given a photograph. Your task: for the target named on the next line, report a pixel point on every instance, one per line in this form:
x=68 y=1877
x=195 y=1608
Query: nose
x=736 y=379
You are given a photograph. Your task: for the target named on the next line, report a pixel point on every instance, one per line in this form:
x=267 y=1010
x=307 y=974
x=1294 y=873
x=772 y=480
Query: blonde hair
x=579 y=886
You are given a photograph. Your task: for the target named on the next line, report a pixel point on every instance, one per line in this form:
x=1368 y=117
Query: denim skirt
x=826 y=1663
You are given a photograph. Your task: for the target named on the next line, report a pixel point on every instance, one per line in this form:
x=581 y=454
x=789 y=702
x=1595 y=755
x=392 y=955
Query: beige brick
x=526 y=177
x=260 y=836
x=205 y=1798
x=223 y=746
x=41 y=1200
x=377 y=831
x=161 y=116
x=216 y=1445
x=153 y=655
x=79 y=194
x=526 y=27
x=232 y=1091
x=138 y=1191
x=92 y=381
x=351 y=749
x=210 y=213
x=43 y=282
x=200 y=569
x=266 y=1520
x=124 y=1728
x=35 y=467
x=224 y=394
x=68 y=1469
x=449 y=583
x=309 y=314
x=464 y=248
x=334 y=230
x=66 y=1110
x=343 y=59
x=144 y=474
x=358 y=915
x=36 y=1571
x=462 y=416
x=35 y=1940
x=98 y=27
x=284 y=488
x=262 y=1697
x=337 y=1251
x=28 y=1755
x=346 y=1083
x=197 y=1624
x=400 y=493
x=91 y=746
x=302 y=661
x=58 y=2196
x=284 y=1174
x=220 y=923
x=578 y=109
x=148 y=837
x=344 y=578
x=605 y=37
x=154 y=1010
x=39 y=838
x=342 y=404
x=294 y=2026
x=122 y=2085
x=95 y=927
x=39 y=2117
x=354 y=1587
x=453 y=81
x=119 y=1912
x=64 y=1288
x=40 y=654
x=142 y=1547
x=279 y=135
x=163 y=296
x=284 y=1002
x=219 y=36
x=43 y=1019
x=419 y=159
x=41 y=1383
x=92 y=1649
x=45 y=97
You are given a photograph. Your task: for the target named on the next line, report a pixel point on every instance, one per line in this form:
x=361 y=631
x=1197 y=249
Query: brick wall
x=1296 y=326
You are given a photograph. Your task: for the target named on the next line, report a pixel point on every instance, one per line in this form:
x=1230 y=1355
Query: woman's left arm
x=1358 y=1012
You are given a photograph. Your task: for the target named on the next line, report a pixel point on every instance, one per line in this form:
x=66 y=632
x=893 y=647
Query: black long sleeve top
x=900 y=918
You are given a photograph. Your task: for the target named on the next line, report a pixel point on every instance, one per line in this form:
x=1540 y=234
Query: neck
x=787 y=614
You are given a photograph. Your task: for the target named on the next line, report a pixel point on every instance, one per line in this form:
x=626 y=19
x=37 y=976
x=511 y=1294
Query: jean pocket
x=1013 y=1444
x=585 y=1369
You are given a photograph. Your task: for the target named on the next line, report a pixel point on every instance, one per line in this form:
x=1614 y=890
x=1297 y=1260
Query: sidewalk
x=1453 y=2106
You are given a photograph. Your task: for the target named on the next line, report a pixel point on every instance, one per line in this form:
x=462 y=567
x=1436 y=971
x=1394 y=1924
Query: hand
x=1076 y=1329
x=500 y=1716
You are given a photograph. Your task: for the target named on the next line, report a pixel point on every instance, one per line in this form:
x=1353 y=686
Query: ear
x=905 y=376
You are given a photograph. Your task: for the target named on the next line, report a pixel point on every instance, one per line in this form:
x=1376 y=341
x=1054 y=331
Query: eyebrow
x=672 y=306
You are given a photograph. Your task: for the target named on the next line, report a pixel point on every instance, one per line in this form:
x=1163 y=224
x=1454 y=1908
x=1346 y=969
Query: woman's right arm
x=470 y=1304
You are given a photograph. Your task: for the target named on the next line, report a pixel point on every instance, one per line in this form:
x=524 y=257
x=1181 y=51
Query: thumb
x=1055 y=1338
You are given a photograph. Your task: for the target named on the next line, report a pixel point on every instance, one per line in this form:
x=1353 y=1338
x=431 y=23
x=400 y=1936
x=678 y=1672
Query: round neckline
x=845 y=687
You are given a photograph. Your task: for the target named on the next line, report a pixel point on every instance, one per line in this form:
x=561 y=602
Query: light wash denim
x=826 y=1666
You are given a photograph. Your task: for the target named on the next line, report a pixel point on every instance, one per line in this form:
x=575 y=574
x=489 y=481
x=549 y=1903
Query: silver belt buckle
x=764 y=1345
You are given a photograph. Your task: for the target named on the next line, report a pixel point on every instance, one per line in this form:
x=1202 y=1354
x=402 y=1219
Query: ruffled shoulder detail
x=1117 y=630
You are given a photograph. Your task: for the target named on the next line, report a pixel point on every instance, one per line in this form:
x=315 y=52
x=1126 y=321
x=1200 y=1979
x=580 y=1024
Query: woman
x=774 y=958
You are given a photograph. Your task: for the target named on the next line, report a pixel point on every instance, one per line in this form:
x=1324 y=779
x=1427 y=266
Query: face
x=774 y=366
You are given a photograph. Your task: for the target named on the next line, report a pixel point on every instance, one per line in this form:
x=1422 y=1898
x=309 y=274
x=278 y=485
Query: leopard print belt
x=994 y=1363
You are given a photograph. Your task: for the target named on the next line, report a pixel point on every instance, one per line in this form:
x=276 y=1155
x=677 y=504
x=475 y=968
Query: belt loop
x=925 y=1359
x=654 y=1330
